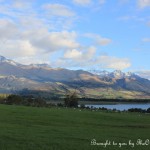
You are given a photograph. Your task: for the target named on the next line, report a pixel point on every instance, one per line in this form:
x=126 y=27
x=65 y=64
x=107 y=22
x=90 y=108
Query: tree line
x=70 y=100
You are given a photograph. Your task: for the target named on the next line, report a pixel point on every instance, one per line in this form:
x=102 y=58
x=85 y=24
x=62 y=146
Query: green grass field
x=28 y=128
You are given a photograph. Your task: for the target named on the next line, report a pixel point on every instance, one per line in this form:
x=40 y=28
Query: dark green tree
x=71 y=100
x=14 y=99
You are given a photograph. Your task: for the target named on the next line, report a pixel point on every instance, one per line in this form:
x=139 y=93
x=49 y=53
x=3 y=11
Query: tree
x=148 y=110
x=71 y=100
x=14 y=99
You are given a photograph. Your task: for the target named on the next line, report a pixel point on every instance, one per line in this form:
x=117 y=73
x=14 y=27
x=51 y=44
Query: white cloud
x=15 y=42
x=31 y=36
x=59 y=16
x=123 y=1
x=77 y=58
x=8 y=29
x=17 y=9
x=102 y=41
x=82 y=56
x=126 y=18
x=143 y=3
x=90 y=53
x=88 y=58
x=146 y=40
x=82 y=2
x=53 y=41
x=19 y=4
x=102 y=2
x=59 y=10
x=88 y=2
x=42 y=59
x=148 y=23
x=11 y=45
x=17 y=48
x=29 y=33
x=110 y=62
x=101 y=62
x=133 y=18
x=73 y=54
x=54 y=16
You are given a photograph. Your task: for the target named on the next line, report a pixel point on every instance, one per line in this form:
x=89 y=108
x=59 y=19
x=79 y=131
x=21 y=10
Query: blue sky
x=77 y=34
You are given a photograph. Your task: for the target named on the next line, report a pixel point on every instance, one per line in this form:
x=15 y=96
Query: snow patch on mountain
x=114 y=74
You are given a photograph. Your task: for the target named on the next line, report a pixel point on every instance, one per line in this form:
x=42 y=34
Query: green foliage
x=137 y=110
x=27 y=101
x=14 y=99
x=36 y=102
x=148 y=110
x=3 y=97
x=71 y=100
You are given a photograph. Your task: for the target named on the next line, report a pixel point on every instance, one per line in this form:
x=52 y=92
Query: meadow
x=32 y=128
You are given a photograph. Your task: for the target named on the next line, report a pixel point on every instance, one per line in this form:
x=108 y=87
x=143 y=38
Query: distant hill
x=15 y=77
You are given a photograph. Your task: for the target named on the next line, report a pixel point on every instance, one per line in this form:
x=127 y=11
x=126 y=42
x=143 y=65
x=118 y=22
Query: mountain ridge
x=15 y=76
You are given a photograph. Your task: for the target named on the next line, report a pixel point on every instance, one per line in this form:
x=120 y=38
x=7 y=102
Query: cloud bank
x=31 y=34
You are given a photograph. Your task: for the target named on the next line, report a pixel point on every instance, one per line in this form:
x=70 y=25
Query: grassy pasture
x=30 y=128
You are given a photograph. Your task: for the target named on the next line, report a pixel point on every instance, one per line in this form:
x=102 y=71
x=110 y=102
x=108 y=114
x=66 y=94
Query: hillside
x=15 y=77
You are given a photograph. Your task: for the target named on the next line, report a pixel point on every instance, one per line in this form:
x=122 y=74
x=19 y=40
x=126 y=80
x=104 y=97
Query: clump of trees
x=71 y=100
x=148 y=110
x=139 y=110
x=13 y=99
x=26 y=101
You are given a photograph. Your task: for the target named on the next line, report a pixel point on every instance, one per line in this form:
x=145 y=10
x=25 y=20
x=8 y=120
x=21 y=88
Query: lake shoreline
x=110 y=103
x=120 y=107
x=107 y=102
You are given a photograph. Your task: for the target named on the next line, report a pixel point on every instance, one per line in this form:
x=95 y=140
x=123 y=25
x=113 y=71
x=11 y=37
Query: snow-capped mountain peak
x=2 y=58
x=98 y=72
x=40 y=65
x=114 y=74
x=117 y=73
x=5 y=60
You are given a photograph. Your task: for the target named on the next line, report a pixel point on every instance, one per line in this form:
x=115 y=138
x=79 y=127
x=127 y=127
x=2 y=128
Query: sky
x=77 y=34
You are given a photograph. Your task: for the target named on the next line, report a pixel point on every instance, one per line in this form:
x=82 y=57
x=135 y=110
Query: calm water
x=122 y=106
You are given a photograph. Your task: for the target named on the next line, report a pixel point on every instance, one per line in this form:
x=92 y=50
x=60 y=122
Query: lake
x=121 y=107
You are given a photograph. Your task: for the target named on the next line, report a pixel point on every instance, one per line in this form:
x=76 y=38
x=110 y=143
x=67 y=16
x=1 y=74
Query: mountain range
x=144 y=74
x=16 y=77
